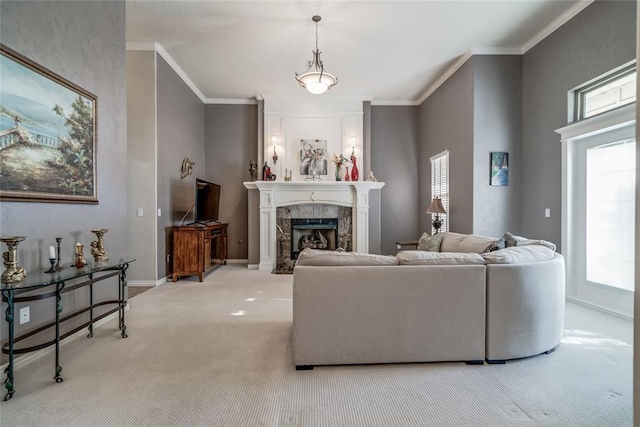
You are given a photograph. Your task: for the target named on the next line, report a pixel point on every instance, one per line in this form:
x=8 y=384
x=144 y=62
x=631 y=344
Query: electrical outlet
x=547 y=213
x=24 y=315
x=168 y=257
x=159 y=212
x=140 y=212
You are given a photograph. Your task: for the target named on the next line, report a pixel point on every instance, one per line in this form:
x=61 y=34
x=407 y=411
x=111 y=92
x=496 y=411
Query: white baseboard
x=237 y=261
x=252 y=266
x=22 y=361
x=599 y=308
x=135 y=283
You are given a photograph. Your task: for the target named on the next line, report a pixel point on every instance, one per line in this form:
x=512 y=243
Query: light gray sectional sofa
x=427 y=306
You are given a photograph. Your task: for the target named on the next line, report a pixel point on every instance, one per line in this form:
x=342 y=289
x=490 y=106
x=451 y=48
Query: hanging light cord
x=317 y=55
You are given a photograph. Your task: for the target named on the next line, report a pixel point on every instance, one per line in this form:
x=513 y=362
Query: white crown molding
x=445 y=76
x=179 y=71
x=236 y=101
x=394 y=103
x=546 y=31
x=557 y=23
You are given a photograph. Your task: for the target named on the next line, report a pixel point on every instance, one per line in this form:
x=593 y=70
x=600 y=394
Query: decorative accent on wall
x=315 y=79
x=48 y=135
x=274 y=142
x=187 y=168
x=313 y=160
x=499 y=168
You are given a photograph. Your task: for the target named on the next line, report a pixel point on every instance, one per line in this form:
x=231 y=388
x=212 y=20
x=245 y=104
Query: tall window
x=610 y=199
x=599 y=181
x=440 y=185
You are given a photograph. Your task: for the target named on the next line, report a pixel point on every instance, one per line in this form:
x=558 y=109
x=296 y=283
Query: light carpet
x=219 y=353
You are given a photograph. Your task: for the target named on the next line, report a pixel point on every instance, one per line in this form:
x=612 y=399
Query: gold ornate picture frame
x=48 y=135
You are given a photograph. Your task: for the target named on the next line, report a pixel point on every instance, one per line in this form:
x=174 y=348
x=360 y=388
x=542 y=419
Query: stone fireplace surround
x=287 y=244
x=276 y=194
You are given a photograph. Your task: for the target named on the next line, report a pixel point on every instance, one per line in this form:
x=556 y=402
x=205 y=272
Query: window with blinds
x=440 y=185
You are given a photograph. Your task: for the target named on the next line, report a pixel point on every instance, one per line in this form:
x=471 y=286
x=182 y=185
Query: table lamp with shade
x=436 y=208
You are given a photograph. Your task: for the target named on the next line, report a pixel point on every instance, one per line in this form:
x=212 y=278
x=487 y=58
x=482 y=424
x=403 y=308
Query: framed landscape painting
x=48 y=135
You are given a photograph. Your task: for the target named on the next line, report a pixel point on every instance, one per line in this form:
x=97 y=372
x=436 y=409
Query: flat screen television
x=207 y=201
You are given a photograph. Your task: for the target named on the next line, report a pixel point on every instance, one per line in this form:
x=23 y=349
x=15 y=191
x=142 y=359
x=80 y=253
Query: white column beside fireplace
x=274 y=194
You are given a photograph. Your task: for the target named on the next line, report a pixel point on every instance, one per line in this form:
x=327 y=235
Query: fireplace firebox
x=314 y=233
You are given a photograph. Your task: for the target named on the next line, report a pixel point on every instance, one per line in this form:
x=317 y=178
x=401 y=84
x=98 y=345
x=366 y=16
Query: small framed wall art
x=313 y=157
x=499 y=169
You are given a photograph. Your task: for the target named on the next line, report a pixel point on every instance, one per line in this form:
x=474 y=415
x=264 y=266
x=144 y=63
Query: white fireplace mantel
x=274 y=194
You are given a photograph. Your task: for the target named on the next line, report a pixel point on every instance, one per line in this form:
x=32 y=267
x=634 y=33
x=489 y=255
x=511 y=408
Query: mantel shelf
x=275 y=194
x=297 y=185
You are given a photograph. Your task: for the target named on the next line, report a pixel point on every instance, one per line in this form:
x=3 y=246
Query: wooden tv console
x=198 y=249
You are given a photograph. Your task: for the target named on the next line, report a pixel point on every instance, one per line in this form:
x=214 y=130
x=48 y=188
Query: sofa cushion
x=438 y=258
x=513 y=240
x=519 y=254
x=318 y=257
x=429 y=243
x=451 y=241
x=468 y=243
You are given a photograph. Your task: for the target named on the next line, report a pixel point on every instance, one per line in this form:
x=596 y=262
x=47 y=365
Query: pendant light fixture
x=315 y=79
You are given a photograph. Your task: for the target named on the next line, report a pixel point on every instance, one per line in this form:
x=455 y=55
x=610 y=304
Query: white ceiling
x=387 y=51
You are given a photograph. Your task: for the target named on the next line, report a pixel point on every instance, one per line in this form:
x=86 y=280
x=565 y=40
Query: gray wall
x=497 y=108
x=180 y=133
x=141 y=146
x=231 y=135
x=598 y=39
x=394 y=160
x=83 y=42
x=446 y=123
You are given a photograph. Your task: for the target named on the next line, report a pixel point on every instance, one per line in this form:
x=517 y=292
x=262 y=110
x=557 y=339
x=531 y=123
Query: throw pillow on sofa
x=513 y=240
x=429 y=243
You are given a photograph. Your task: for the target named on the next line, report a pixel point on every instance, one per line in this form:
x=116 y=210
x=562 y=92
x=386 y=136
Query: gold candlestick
x=13 y=272
x=80 y=261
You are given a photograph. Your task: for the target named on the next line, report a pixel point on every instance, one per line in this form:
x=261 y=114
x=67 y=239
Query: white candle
x=52 y=252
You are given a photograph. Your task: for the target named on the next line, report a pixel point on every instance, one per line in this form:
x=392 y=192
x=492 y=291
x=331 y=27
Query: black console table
x=40 y=285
